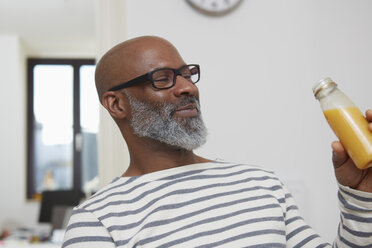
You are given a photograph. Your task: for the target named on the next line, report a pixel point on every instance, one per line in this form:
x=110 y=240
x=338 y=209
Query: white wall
x=258 y=67
x=64 y=28
x=14 y=210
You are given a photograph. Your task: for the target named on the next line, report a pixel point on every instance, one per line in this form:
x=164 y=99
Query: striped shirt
x=208 y=205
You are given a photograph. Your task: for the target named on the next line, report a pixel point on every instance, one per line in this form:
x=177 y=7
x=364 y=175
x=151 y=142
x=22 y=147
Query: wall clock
x=214 y=7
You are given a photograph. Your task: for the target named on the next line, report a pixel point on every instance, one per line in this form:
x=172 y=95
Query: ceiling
x=50 y=26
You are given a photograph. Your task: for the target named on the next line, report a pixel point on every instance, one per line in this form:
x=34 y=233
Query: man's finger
x=369 y=118
x=339 y=156
x=369 y=115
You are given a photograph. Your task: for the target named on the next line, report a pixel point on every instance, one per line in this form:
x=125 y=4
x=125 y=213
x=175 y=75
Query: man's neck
x=153 y=157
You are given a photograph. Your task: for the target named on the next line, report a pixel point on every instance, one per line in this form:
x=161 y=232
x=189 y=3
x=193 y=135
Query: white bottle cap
x=321 y=84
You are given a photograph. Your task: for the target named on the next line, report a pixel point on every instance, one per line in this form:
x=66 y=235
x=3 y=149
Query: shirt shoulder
x=116 y=191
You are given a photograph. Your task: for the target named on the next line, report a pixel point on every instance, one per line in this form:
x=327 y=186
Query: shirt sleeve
x=355 y=229
x=85 y=230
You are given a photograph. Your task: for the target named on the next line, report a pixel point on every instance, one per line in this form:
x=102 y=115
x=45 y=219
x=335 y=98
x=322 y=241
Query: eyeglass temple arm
x=137 y=80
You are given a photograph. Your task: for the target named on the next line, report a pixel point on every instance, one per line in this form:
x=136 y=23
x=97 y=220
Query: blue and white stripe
x=208 y=205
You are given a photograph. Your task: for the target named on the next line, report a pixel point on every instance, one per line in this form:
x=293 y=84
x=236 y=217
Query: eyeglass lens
x=164 y=78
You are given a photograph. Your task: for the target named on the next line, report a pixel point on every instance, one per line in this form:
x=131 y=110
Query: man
x=169 y=196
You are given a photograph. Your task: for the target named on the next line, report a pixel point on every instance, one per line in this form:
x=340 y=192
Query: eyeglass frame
x=147 y=77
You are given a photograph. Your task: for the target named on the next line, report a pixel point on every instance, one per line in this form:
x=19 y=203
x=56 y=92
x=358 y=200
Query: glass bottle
x=346 y=121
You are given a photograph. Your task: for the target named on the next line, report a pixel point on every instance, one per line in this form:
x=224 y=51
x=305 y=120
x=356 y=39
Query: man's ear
x=115 y=104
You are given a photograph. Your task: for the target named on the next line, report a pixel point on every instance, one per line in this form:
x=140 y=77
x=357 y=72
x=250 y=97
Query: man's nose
x=184 y=87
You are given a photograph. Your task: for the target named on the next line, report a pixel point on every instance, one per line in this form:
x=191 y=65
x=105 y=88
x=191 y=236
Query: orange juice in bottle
x=347 y=122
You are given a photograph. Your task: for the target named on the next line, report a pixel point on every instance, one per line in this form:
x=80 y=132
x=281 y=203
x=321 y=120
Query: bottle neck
x=325 y=90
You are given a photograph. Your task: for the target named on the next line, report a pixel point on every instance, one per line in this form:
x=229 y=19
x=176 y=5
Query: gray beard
x=156 y=121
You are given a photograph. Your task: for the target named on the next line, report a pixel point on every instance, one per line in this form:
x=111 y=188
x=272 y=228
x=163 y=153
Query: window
x=63 y=115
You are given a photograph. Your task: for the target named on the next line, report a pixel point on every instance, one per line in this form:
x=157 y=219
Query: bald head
x=130 y=59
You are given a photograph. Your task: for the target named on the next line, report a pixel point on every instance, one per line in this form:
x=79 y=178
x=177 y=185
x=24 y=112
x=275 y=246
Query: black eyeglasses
x=164 y=78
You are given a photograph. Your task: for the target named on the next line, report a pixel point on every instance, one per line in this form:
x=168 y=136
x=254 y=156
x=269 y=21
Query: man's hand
x=346 y=172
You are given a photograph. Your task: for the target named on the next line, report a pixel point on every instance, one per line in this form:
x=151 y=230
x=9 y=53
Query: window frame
x=77 y=166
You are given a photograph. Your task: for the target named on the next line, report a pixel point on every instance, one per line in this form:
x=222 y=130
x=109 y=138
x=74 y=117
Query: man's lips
x=188 y=110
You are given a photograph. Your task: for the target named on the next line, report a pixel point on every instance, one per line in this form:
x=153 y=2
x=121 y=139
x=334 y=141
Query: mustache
x=171 y=108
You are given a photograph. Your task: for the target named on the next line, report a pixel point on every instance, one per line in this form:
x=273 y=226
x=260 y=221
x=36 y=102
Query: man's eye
x=186 y=75
x=162 y=79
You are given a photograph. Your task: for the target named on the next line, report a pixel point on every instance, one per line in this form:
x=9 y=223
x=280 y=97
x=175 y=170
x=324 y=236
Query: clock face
x=214 y=7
